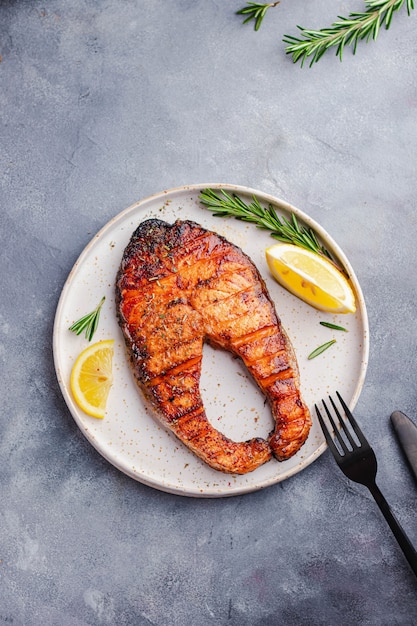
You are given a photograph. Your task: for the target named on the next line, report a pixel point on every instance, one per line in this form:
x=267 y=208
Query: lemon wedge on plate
x=92 y=377
x=311 y=277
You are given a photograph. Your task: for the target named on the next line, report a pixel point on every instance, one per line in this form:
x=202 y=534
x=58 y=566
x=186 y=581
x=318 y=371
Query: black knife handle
x=406 y=432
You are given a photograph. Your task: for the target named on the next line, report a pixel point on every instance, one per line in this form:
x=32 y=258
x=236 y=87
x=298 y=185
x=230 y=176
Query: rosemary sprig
x=321 y=349
x=256 y=11
x=88 y=322
x=283 y=229
x=347 y=31
x=334 y=326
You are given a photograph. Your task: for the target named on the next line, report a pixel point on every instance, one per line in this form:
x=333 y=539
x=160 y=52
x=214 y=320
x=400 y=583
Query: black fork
x=357 y=461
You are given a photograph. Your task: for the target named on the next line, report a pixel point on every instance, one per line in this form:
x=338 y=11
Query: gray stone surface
x=102 y=104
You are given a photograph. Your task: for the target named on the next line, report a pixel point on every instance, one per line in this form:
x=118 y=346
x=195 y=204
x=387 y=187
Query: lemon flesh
x=311 y=277
x=92 y=377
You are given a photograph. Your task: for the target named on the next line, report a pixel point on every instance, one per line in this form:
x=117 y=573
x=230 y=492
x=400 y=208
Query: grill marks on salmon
x=180 y=285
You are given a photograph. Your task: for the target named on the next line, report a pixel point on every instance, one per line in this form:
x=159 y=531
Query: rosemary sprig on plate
x=283 y=229
x=256 y=11
x=88 y=322
x=326 y=345
x=347 y=31
x=321 y=349
x=334 y=326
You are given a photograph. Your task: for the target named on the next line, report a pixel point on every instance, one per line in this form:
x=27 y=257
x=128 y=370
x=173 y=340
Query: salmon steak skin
x=180 y=285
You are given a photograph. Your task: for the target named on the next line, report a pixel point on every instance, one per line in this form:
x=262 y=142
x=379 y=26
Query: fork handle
x=405 y=544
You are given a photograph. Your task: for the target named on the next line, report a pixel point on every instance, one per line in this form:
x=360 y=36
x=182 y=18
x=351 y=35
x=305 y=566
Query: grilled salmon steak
x=180 y=285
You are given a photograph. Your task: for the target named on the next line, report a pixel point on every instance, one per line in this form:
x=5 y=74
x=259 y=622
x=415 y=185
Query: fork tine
x=362 y=439
x=327 y=434
x=343 y=424
x=336 y=430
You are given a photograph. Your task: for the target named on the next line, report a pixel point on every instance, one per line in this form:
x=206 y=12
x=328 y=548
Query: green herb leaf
x=347 y=31
x=88 y=322
x=334 y=326
x=283 y=229
x=255 y=11
x=321 y=349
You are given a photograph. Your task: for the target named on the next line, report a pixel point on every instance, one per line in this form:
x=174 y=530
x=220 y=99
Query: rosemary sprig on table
x=283 y=229
x=347 y=31
x=88 y=322
x=256 y=11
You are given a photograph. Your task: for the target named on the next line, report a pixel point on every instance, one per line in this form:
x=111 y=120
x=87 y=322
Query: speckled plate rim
x=206 y=488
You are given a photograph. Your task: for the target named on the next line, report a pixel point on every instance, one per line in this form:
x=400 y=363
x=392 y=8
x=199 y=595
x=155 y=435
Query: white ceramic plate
x=129 y=437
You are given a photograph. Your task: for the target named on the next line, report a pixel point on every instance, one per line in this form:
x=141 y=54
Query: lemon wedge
x=311 y=277
x=92 y=377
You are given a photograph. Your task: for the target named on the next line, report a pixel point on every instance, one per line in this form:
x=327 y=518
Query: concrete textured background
x=102 y=104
